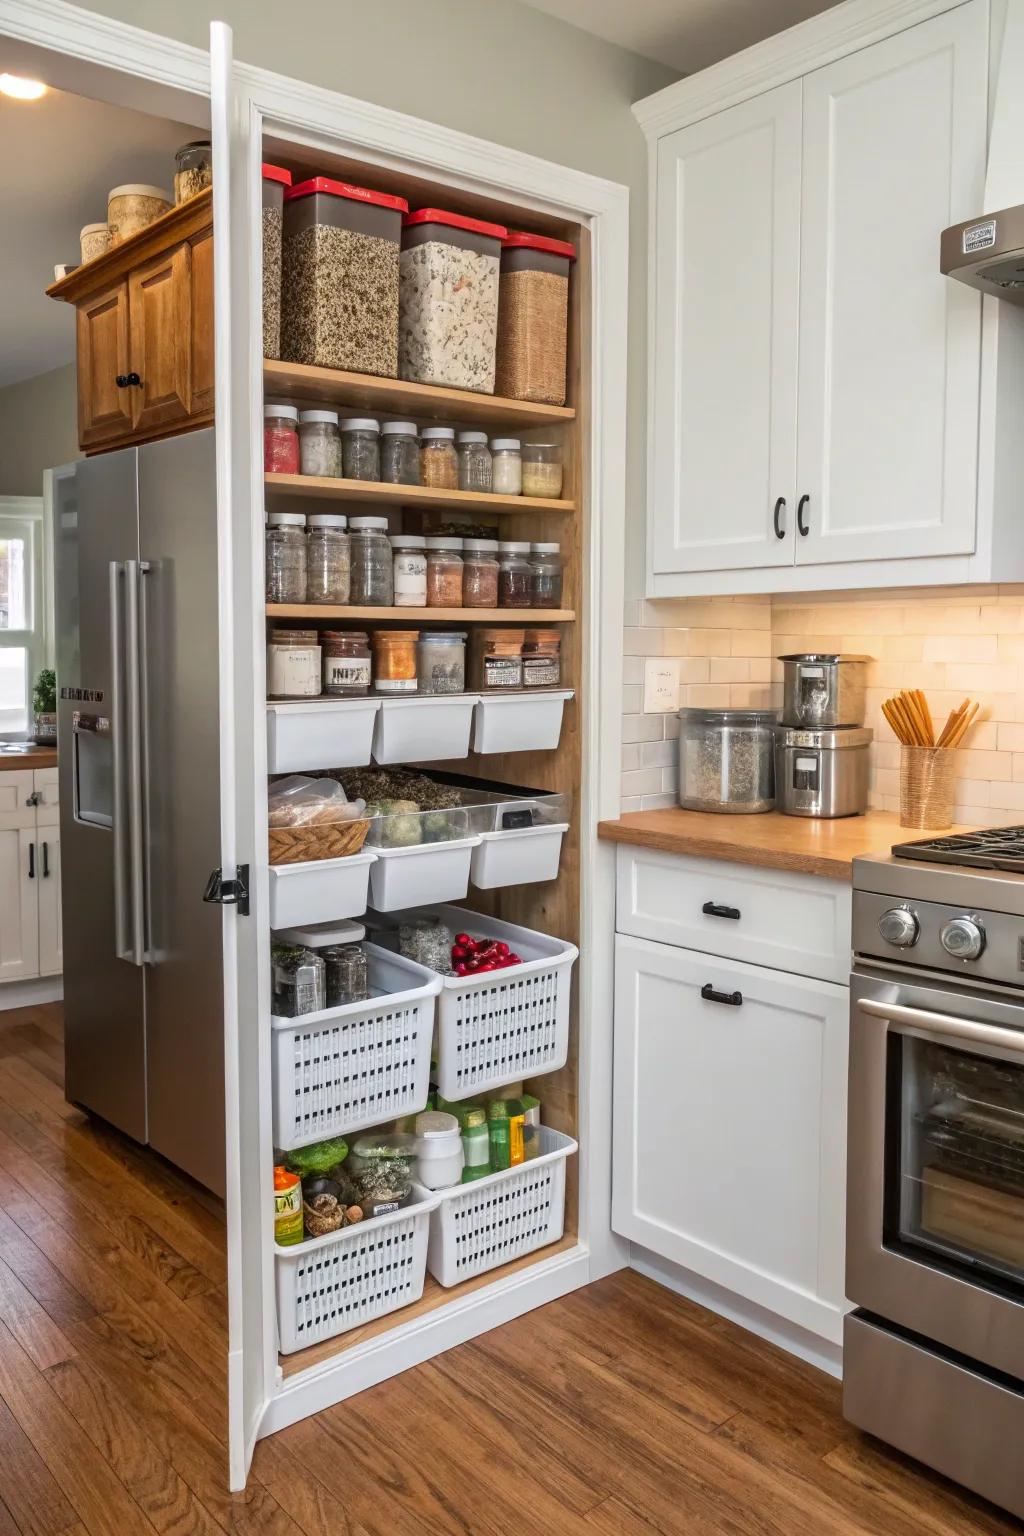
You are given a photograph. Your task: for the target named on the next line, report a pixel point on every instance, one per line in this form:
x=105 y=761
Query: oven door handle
x=945 y=1025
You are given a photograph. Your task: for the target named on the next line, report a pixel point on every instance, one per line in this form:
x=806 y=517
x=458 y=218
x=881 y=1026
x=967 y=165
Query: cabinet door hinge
x=229 y=893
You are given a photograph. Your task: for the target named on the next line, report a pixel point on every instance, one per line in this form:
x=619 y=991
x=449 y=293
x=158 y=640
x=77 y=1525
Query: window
x=23 y=648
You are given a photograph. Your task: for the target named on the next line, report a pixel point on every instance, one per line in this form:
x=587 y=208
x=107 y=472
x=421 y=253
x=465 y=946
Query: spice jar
x=480 y=573
x=410 y=570
x=496 y=660
x=441 y=662
x=506 y=466
x=542 y=470
x=285 y=544
x=293 y=664
x=346 y=663
x=399 y=453
x=545 y=576
x=275 y=179
x=439 y=463
x=474 y=462
x=394 y=660
x=280 y=440
x=319 y=444
x=346 y=975
x=533 y=313
x=372 y=582
x=360 y=448
x=193 y=170
x=514 y=575
x=542 y=658
x=297 y=981
x=328 y=561
x=444 y=572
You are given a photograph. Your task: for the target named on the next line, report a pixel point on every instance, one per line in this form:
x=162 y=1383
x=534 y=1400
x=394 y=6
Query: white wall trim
x=27 y=994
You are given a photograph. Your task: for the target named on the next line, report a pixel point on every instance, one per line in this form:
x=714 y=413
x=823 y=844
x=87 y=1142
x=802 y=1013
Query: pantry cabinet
x=30 y=915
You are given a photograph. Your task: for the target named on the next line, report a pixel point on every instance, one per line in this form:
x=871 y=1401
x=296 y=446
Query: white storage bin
x=424 y=730
x=519 y=722
x=423 y=872
x=518 y=857
x=320 y=890
x=327 y=1285
x=478 y=1226
x=324 y=733
x=342 y=1069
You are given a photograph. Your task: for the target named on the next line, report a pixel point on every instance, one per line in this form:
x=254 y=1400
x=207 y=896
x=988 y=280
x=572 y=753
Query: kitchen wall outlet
x=661 y=684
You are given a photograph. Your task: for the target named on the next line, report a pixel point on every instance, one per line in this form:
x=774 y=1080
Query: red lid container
x=455 y=221
x=518 y=239
x=276 y=173
x=324 y=184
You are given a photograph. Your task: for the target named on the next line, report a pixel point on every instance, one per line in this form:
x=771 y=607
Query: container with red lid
x=275 y=180
x=449 y=299
x=533 y=314
x=339 y=298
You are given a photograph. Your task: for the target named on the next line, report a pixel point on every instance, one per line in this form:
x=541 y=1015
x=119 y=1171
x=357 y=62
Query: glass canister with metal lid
x=726 y=760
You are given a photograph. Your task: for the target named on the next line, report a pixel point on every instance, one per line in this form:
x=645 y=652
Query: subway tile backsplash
x=950 y=641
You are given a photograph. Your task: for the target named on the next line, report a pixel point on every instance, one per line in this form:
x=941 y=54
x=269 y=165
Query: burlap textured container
x=319 y=840
x=927 y=777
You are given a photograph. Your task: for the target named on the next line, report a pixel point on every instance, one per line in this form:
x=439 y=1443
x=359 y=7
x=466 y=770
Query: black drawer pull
x=31 y=861
x=709 y=994
x=780 y=507
x=801 y=522
x=46 y=861
x=716 y=909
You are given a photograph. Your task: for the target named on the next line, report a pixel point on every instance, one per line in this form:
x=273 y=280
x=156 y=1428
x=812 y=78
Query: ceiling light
x=22 y=89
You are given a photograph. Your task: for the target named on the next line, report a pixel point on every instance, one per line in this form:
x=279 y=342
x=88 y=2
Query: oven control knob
x=963 y=938
x=899 y=927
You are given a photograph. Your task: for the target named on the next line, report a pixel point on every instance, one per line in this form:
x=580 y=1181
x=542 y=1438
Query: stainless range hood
x=988 y=253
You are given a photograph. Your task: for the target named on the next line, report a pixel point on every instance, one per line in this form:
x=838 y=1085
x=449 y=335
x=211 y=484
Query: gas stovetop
x=992 y=848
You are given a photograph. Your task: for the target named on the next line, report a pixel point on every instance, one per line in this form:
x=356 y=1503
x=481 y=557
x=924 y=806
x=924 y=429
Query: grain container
x=726 y=760
x=339 y=277
x=533 y=317
x=449 y=299
x=275 y=180
x=133 y=207
x=94 y=240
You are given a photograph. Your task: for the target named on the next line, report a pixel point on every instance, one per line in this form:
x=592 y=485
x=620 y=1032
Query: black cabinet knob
x=122 y=380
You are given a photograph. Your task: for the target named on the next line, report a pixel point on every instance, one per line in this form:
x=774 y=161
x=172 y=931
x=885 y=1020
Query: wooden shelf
x=386 y=495
x=178 y=224
x=520 y=616
x=396 y=397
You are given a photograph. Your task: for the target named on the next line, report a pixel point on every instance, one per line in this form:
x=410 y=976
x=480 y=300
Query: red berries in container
x=471 y=957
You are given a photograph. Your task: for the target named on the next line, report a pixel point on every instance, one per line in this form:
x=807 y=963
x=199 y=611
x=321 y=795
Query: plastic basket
x=492 y=1221
x=343 y=1069
x=430 y=728
x=330 y=1284
x=405 y=877
x=517 y=857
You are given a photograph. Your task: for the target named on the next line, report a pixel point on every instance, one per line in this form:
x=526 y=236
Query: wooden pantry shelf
x=397 y=397
x=386 y=495
x=521 y=616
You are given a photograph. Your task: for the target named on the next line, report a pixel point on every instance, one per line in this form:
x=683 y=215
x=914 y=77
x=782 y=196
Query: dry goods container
x=533 y=315
x=449 y=300
x=275 y=180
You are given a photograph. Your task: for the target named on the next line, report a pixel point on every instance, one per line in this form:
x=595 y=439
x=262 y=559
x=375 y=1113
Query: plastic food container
x=94 y=240
x=410 y=570
x=275 y=180
x=424 y=872
x=293 y=664
x=441 y=661
x=339 y=283
x=319 y=444
x=280 y=439
x=285 y=553
x=306 y=736
x=319 y=890
x=542 y=470
x=439 y=1154
x=533 y=317
x=449 y=299
x=480 y=573
x=423 y=729
x=519 y=722
x=132 y=208
x=360 y=448
x=727 y=760
x=193 y=169
x=399 y=453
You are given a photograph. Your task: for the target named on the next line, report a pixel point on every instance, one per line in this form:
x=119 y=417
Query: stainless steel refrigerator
x=137 y=676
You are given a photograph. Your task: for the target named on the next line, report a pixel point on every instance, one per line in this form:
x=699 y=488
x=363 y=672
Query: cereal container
x=275 y=180
x=533 y=315
x=449 y=300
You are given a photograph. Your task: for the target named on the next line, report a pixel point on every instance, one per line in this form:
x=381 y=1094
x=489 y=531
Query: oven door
x=935 y=1181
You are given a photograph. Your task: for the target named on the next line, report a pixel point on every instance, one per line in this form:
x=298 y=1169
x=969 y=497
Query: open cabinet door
x=251 y=1344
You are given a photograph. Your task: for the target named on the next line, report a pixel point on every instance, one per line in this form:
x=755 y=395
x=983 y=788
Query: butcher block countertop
x=771 y=840
x=16 y=756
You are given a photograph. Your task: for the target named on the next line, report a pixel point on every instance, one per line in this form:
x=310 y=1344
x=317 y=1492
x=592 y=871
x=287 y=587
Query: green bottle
x=499 y=1131
x=476 y=1144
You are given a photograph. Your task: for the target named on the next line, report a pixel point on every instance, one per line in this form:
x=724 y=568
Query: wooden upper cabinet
x=160 y=331
x=104 y=406
x=202 y=323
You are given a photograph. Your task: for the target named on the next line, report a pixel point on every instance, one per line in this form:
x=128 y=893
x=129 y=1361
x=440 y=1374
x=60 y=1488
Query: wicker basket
x=318 y=840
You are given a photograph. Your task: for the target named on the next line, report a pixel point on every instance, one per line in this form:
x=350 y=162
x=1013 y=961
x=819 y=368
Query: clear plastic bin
x=449 y=300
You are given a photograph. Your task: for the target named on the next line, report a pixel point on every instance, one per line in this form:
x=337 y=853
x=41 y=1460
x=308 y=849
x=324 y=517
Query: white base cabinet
x=30 y=906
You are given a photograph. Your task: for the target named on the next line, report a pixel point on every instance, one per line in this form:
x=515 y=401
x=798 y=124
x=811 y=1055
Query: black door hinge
x=229 y=893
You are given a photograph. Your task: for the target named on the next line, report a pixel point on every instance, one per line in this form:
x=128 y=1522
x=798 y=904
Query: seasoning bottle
x=444 y=572
x=372 y=582
x=506 y=467
x=542 y=470
x=513 y=574
x=360 y=448
x=499 y=1135
x=474 y=462
x=399 y=453
x=542 y=658
x=289 y=1227
x=394 y=660
x=293 y=664
x=516 y=1152
x=328 y=558
x=497 y=660
x=476 y=1145
x=531 y=1126
x=346 y=974
x=480 y=573
x=285 y=544
x=441 y=662
x=410 y=570
x=346 y=663
x=439 y=463
x=545 y=576
x=280 y=440
x=319 y=444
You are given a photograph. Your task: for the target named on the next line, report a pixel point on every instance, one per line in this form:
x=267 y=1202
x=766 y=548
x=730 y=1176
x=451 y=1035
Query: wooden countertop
x=34 y=757
x=771 y=840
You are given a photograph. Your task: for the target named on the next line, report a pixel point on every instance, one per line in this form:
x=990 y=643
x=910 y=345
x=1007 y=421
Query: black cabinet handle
x=780 y=507
x=716 y=909
x=708 y=993
x=122 y=380
x=802 y=527
x=46 y=861
x=31 y=861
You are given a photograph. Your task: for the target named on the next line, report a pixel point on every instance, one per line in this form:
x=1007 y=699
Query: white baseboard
x=826 y=1356
x=37 y=989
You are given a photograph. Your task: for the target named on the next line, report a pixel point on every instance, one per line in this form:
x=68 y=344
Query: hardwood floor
x=621 y=1410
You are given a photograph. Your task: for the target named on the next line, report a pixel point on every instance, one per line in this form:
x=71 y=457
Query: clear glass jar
x=542 y=658
x=727 y=759
x=372 y=581
x=542 y=470
x=399 y=453
x=297 y=979
x=410 y=570
x=439 y=463
x=441 y=662
x=285 y=544
x=479 y=573
x=346 y=663
x=514 y=574
x=444 y=572
x=360 y=448
x=347 y=979
x=496 y=660
x=545 y=576
x=328 y=558
x=394 y=660
x=506 y=467
x=280 y=440
x=319 y=444
x=474 y=462
x=193 y=170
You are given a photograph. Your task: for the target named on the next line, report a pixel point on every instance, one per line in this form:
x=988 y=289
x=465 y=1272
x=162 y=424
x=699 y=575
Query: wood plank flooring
x=621 y=1410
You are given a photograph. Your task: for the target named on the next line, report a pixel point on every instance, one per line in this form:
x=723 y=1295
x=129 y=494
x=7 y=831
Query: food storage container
x=193 y=169
x=410 y=570
x=533 y=312
x=519 y=722
x=94 y=240
x=444 y=572
x=285 y=542
x=346 y=974
x=439 y=462
x=328 y=558
x=545 y=576
x=726 y=759
x=372 y=579
x=320 y=890
x=132 y=208
x=360 y=448
x=280 y=439
x=298 y=981
x=542 y=658
x=394 y=660
x=319 y=444
x=496 y=659
x=449 y=299
x=474 y=462
x=514 y=574
x=406 y=876
x=275 y=180
x=823 y=689
x=506 y=466
x=480 y=573
x=439 y=1154
x=339 y=731
x=339 y=281
x=293 y=664
x=347 y=673
x=542 y=470
x=441 y=661
x=399 y=453
x=822 y=772
x=427 y=728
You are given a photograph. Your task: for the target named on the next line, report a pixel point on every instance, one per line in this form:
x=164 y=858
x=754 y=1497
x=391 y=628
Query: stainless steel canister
x=823 y=689
x=822 y=773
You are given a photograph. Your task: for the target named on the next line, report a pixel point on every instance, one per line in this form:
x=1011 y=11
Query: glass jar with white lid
x=360 y=448
x=506 y=466
x=285 y=546
x=319 y=444
x=474 y=462
x=372 y=580
x=410 y=569
x=328 y=558
x=399 y=453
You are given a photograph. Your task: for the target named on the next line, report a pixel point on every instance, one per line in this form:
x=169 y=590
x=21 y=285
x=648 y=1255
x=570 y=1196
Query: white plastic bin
x=327 y=1285
x=431 y=729
x=519 y=722
x=423 y=872
x=518 y=857
x=323 y=733
x=320 y=890
x=343 y=1069
x=476 y=1227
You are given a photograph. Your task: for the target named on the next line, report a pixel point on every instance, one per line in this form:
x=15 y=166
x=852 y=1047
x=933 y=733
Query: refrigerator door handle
x=122 y=943
x=136 y=840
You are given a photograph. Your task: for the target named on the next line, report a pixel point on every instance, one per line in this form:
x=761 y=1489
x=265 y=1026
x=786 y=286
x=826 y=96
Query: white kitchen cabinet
x=30 y=903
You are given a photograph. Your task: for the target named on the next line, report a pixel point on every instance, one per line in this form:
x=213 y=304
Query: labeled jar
x=506 y=466
x=319 y=444
x=545 y=576
x=441 y=661
x=474 y=462
x=479 y=573
x=542 y=470
x=514 y=574
x=399 y=453
x=360 y=448
x=193 y=169
x=542 y=658
x=439 y=463
x=444 y=572
x=297 y=981
x=497 y=660
x=280 y=440
x=346 y=663
x=345 y=974
x=328 y=559
x=394 y=661
x=410 y=570
x=293 y=664
x=372 y=582
x=285 y=545
x=533 y=314
x=275 y=180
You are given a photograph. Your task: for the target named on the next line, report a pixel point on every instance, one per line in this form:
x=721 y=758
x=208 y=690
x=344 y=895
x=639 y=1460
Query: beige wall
x=37 y=430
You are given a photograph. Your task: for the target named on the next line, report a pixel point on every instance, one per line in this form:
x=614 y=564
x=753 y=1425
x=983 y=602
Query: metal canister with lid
x=822 y=773
x=822 y=689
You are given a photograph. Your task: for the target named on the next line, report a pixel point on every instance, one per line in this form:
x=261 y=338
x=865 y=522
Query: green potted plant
x=44 y=707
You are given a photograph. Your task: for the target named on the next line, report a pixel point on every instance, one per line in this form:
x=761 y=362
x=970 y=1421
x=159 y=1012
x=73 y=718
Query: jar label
x=541 y=672
x=346 y=672
x=395 y=685
x=293 y=671
x=503 y=672
x=411 y=577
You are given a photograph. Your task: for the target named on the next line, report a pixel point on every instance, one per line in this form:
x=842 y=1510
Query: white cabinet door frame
x=19 y=887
